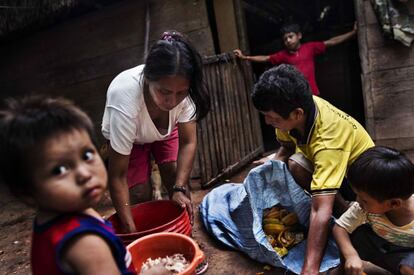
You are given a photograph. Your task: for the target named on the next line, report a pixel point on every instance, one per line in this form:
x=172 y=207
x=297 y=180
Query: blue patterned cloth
x=232 y=213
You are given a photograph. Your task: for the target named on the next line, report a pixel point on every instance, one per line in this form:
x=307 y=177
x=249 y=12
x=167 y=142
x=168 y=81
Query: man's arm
x=118 y=188
x=284 y=152
x=341 y=38
x=318 y=232
x=255 y=58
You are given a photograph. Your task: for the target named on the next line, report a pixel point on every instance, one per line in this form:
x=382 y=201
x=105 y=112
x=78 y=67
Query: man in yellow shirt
x=318 y=142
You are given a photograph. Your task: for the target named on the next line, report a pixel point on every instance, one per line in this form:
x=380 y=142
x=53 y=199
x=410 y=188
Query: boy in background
x=48 y=159
x=379 y=227
x=302 y=56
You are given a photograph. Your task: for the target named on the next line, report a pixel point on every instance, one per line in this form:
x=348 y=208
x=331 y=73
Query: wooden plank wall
x=226 y=25
x=388 y=82
x=230 y=136
x=78 y=58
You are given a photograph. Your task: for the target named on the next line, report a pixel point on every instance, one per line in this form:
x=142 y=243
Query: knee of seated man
x=293 y=165
x=297 y=169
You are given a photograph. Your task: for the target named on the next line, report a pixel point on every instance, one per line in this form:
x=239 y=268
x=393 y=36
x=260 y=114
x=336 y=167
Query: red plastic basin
x=166 y=244
x=154 y=217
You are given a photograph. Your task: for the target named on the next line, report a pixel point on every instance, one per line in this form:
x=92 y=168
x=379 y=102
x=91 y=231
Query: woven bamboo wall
x=230 y=136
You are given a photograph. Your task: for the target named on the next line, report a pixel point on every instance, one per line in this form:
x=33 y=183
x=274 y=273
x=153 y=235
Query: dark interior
x=337 y=70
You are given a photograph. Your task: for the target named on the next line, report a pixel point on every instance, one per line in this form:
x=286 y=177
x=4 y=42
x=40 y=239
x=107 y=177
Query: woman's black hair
x=25 y=125
x=282 y=89
x=383 y=173
x=173 y=54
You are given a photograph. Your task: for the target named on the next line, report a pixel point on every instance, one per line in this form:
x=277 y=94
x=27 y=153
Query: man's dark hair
x=25 y=125
x=383 y=173
x=291 y=27
x=282 y=89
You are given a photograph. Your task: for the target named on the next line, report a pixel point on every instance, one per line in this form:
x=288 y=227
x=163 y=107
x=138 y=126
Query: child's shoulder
x=82 y=241
x=67 y=222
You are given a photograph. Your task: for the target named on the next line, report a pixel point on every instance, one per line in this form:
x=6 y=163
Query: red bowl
x=154 y=217
x=166 y=244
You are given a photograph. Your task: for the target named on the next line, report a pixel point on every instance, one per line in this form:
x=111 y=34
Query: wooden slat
x=219 y=109
x=388 y=91
x=230 y=170
x=394 y=118
x=66 y=47
x=95 y=34
x=228 y=134
x=241 y=105
x=248 y=128
x=254 y=115
x=368 y=11
x=402 y=143
x=390 y=82
x=232 y=122
x=102 y=32
x=368 y=103
x=215 y=149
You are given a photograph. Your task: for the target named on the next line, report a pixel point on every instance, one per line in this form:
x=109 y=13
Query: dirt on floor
x=16 y=225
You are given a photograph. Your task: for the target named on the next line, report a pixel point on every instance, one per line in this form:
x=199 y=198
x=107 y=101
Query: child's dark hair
x=383 y=173
x=282 y=89
x=25 y=124
x=173 y=54
x=290 y=27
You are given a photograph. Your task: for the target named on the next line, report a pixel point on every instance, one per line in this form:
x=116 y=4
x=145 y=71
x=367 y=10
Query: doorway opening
x=337 y=70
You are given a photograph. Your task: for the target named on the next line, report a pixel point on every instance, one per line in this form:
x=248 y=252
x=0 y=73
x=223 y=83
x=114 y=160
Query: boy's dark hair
x=383 y=173
x=25 y=124
x=290 y=27
x=173 y=54
x=282 y=89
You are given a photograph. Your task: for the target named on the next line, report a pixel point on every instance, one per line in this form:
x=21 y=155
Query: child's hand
x=239 y=53
x=354 y=266
x=158 y=269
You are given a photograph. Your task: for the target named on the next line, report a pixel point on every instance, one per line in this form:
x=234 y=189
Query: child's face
x=277 y=121
x=169 y=91
x=371 y=205
x=69 y=175
x=292 y=40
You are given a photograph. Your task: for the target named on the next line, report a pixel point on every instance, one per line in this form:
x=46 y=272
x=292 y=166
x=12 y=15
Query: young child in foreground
x=48 y=160
x=379 y=227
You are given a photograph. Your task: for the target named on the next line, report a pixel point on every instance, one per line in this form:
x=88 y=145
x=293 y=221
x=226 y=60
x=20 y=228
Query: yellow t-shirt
x=335 y=140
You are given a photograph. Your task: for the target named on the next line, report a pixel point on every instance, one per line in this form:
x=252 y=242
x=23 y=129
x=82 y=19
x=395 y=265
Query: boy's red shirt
x=303 y=59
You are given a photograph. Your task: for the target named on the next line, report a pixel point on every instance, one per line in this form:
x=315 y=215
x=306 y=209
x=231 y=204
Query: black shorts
x=380 y=252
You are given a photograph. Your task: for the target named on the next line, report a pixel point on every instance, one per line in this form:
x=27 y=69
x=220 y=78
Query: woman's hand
x=184 y=202
x=354 y=266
